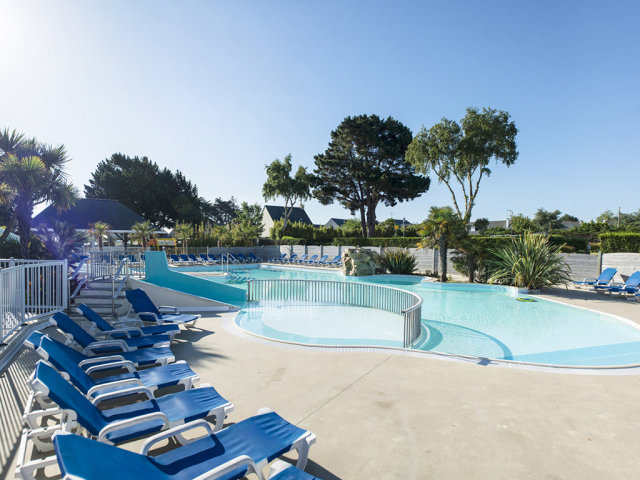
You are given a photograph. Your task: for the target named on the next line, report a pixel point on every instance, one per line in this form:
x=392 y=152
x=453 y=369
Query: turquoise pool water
x=461 y=319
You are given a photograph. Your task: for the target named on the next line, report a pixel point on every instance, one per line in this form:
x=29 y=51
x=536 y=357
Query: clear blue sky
x=219 y=89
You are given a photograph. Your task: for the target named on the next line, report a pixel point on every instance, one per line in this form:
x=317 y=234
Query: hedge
x=620 y=242
x=403 y=242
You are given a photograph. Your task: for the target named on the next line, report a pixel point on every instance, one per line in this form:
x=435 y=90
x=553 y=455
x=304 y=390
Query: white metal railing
x=30 y=289
x=106 y=264
x=380 y=297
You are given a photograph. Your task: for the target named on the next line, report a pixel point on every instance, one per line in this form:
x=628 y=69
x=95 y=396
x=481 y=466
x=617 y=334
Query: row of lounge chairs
x=212 y=259
x=304 y=259
x=604 y=283
x=88 y=390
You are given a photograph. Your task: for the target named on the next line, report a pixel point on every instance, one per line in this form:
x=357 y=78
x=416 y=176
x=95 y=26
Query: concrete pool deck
x=380 y=415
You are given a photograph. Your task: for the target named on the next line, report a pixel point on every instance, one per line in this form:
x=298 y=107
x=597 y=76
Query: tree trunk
x=9 y=227
x=371 y=220
x=24 y=213
x=472 y=270
x=363 y=222
x=443 y=257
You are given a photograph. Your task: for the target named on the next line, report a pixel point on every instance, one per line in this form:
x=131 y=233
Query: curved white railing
x=380 y=297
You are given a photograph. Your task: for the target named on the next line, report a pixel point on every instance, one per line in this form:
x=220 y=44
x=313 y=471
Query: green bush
x=620 y=242
x=398 y=261
x=10 y=249
x=595 y=247
x=578 y=243
x=292 y=241
x=531 y=262
x=401 y=242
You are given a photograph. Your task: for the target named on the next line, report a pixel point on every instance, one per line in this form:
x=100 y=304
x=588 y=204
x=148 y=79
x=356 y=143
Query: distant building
x=271 y=213
x=571 y=223
x=335 y=222
x=87 y=211
x=506 y=224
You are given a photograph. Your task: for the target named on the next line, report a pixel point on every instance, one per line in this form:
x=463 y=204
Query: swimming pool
x=464 y=319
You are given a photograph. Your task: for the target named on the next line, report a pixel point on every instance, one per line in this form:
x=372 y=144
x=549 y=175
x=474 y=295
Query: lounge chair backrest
x=323 y=258
x=33 y=340
x=313 y=258
x=336 y=259
x=606 y=276
x=213 y=257
x=293 y=256
x=633 y=280
x=141 y=302
x=80 y=457
x=72 y=328
x=174 y=258
x=51 y=383
x=184 y=257
x=92 y=316
x=203 y=256
x=74 y=355
x=50 y=351
x=303 y=257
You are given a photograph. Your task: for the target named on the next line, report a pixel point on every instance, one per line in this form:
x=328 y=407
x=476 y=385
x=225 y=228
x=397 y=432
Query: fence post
x=65 y=285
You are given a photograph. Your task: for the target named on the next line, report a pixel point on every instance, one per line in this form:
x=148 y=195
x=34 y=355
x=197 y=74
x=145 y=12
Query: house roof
x=336 y=221
x=297 y=214
x=90 y=210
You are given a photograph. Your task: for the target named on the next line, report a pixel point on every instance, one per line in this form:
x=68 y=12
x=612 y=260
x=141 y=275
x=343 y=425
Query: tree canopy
x=281 y=184
x=364 y=165
x=31 y=173
x=443 y=229
x=159 y=195
x=461 y=152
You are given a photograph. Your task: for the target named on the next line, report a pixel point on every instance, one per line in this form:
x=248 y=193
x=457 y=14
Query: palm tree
x=31 y=173
x=99 y=230
x=142 y=232
x=183 y=231
x=442 y=227
x=62 y=240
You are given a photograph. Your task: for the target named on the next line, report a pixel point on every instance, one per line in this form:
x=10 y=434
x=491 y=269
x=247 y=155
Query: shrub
x=531 y=262
x=595 y=247
x=620 y=242
x=577 y=242
x=398 y=261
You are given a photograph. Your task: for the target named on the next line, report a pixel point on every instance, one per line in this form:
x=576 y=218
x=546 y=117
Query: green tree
x=606 y=217
x=61 y=239
x=521 y=223
x=31 y=173
x=280 y=183
x=481 y=225
x=461 y=153
x=99 y=230
x=142 y=232
x=442 y=228
x=568 y=218
x=545 y=221
x=160 y=196
x=247 y=226
x=222 y=212
x=183 y=231
x=364 y=165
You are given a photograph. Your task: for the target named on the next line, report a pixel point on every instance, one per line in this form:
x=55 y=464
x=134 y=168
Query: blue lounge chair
x=233 y=258
x=242 y=258
x=312 y=260
x=630 y=287
x=321 y=261
x=146 y=310
x=76 y=334
x=214 y=258
x=336 y=262
x=242 y=448
x=194 y=259
x=175 y=259
x=302 y=259
x=119 y=424
x=203 y=258
x=170 y=375
x=122 y=331
x=603 y=279
x=254 y=259
x=292 y=258
x=279 y=259
x=185 y=259
x=143 y=357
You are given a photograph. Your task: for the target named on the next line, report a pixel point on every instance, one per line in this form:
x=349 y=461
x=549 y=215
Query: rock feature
x=358 y=262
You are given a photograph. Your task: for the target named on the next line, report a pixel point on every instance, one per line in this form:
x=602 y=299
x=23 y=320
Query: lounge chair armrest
x=128 y=322
x=155 y=317
x=117 y=331
x=126 y=364
x=129 y=422
x=123 y=393
x=105 y=358
x=590 y=279
x=150 y=442
x=168 y=309
x=228 y=467
x=134 y=382
x=113 y=343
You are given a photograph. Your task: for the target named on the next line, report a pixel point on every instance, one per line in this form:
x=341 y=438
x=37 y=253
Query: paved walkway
x=384 y=416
